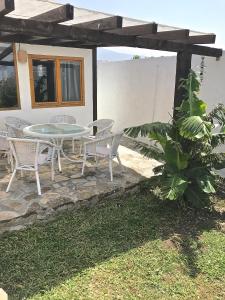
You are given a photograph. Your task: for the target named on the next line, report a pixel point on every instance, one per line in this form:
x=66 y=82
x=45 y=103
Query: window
x=9 y=95
x=56 y=81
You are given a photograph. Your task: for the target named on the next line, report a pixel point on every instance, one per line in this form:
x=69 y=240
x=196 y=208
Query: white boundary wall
x=83 y=114
x=137 y=91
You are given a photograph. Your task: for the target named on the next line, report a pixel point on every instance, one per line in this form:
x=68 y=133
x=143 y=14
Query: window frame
x=18 y=107
x=58 y=86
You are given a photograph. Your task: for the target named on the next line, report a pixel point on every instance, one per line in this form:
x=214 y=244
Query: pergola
x=67 y=26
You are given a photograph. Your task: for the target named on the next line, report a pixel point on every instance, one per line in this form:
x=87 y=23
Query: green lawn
x=130 y=248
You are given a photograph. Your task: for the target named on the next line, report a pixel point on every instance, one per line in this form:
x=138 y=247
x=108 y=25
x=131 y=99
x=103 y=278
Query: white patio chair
x=29 y=154
x=106 y=148
x=102 y=127
x=15 y=126
x=5 y=148
x=65 y=119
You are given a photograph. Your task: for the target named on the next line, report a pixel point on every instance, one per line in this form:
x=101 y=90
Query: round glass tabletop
x=59 y=130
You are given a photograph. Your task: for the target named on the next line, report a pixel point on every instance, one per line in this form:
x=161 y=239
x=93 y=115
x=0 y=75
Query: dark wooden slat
x=6 y=6
x=36 y=28
x=182 y=70
x=136 y=30
x=206 y=51
x=102 y=24
x=6 y=63
x=176 y=47
x=94 y=76
x=6 y=52
x=57 y=15
x=200 y=39
x=178 y=34
x=13 y=38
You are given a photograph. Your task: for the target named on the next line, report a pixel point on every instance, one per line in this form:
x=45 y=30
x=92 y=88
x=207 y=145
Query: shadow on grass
x=35 y=260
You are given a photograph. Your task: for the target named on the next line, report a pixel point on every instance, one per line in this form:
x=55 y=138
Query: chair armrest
x=3 y=134
x=97 y=141
x=47 y=143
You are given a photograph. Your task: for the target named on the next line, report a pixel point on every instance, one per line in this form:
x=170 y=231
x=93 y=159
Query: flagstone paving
x=70 y=190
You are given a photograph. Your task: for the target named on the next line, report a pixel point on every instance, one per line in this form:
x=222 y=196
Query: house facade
x=47 y=81
x=48 y=61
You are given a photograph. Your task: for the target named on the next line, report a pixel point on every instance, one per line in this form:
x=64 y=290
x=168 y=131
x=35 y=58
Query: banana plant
x=186 y=148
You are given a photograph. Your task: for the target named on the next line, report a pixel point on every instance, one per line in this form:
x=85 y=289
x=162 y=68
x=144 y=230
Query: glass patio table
x=57 y=133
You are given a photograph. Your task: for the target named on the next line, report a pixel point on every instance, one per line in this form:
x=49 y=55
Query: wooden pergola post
x=94 y=74
x=182 y=70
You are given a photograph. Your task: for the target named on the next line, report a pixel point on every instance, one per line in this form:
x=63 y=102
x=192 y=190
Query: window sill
x=55 y=105
x=10 y=108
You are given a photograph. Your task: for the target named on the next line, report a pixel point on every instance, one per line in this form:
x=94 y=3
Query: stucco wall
x=83 y=114
x=137 y=91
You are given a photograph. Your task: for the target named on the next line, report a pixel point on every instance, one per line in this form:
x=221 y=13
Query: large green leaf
x=218 y=115
x=173 y=186
x=195 y=127
x=198 y=108
x=195 y=108
x=151 y=151
x=217 y=139
x=206 y=184
x=174 y=156
x=156 y=131
x=196 y=197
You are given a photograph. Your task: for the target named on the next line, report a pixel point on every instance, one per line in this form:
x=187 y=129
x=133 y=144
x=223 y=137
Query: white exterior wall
x=83 y=114
x=137 y=91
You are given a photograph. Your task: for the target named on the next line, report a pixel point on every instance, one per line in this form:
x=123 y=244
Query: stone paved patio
x=22 y=206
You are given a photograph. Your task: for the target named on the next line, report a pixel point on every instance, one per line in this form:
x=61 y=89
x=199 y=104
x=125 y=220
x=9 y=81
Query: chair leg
x=119 y=161
x=53 y=166
x=59 y=161
x=11 y=180
x=83 y=166
x=73 y=145
x=38 y=183
x=11 y=162
x=81 y=147
x=110 y=169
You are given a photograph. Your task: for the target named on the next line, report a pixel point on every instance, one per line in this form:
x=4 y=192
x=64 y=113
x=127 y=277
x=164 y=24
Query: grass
x=133 y=248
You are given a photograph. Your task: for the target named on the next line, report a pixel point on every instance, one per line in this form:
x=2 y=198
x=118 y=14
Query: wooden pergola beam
x=136 y=30
x=44 y=29
x=6 y=6
x=6 y=52
x=109 y=23
x=57 y=15
x=176 y=47
x=200 y=39
x=84 y=35
x=6 y=63
x=178 y=34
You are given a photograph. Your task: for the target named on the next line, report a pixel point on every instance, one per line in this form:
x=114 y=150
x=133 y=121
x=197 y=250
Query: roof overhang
x=48 y=23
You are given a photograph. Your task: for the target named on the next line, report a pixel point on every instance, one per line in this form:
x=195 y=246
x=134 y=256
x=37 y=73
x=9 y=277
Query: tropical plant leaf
x=174 y=156
x=218 y=115
x=217 y=139
x=206 y=184
x=173 y=187
x=151 y=151
x=156 y=131
x=196 y=197
x=195 y=127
